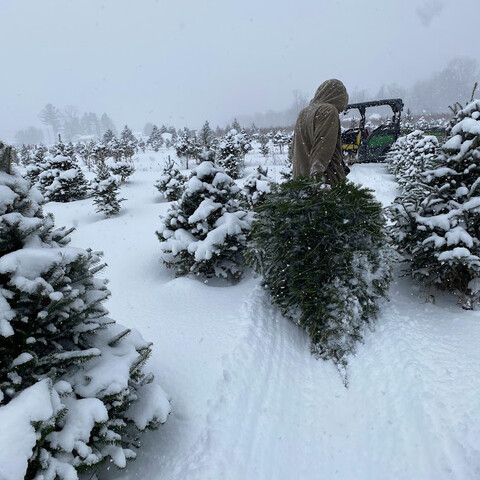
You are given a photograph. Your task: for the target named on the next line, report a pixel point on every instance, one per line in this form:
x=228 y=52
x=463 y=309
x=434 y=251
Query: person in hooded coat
x=317 y=144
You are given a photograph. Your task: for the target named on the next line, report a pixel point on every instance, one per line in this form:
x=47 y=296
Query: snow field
x=248 y=399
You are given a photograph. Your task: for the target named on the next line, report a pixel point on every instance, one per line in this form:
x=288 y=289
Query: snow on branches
x=436 y=227
x=324 y=260
x=70 y=377
x=205 y=232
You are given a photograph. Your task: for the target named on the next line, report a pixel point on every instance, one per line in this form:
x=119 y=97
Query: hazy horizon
x=186 y=63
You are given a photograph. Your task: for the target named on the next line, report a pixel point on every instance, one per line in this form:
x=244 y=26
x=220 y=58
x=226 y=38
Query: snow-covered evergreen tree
x=410 y=157
x=324 y=260
x=106 y=124
x=40 y=152
x=440 y=231
x=256 y=186
x=205 y=232
x=38 y=165
x=122 y=168
x=105 y=190
x=61 y=356
x=172 y=183
x=81 y=151
x=407 y=124
x=155 y=140
x=26 y=154
x=280 y=140
x=128 y=142
x=236 y=125
x=231 y=154
x=141 y=145
x=98 y=152
x=114 y=148
x=108 y=136
x=399 y=157
x=206 y=136
x=264 y=148
x=186 y=146
x=207 y=144
x=62 y=179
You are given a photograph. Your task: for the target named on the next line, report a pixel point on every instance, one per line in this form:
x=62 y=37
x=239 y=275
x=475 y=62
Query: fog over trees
x=432 y=95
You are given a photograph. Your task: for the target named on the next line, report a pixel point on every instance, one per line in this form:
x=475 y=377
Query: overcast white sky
x=182 y=62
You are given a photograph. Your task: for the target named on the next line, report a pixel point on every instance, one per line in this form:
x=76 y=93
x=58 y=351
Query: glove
x=320 y=178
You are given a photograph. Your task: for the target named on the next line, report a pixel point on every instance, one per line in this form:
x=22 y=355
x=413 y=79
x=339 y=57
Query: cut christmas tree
x=324 y=260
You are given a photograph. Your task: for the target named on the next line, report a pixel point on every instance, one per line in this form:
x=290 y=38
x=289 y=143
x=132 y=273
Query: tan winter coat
x=317 y=144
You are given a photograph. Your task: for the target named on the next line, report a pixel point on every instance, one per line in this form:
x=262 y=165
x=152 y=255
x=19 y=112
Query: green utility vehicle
x=372 y=146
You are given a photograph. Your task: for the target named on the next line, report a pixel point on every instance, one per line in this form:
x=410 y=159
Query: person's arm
x=326 y=125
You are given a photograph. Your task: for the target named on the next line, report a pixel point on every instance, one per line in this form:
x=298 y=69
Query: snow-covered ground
x=249 y=401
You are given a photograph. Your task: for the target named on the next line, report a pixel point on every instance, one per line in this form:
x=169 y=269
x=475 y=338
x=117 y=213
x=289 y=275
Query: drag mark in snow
x=262 y=398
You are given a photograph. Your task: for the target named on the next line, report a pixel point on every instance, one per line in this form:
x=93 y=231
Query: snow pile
x=21 y=423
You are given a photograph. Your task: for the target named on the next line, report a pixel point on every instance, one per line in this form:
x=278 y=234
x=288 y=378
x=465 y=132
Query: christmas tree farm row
x=436 y=220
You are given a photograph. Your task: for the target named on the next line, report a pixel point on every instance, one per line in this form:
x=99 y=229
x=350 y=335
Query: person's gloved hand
x=320 y=178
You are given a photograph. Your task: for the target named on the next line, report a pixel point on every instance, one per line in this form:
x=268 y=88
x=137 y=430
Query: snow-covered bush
x=205 y=232
x=439 y=231
x=72 y=389
x=256 y=186
x=171 y=183
x=324 y=260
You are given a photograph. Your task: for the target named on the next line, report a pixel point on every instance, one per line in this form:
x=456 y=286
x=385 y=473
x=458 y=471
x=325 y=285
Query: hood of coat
x=333 y=92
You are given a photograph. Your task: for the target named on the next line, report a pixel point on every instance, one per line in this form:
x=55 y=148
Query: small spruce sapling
x=172 y=183
x=205 y=232
x=106 y=191
x=256 y=186
x=231 y=154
